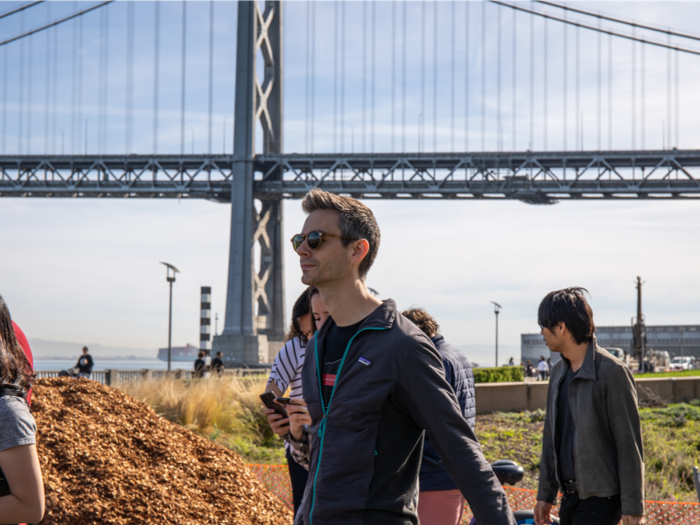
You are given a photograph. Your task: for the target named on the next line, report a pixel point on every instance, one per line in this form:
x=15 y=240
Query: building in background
x=676 y=340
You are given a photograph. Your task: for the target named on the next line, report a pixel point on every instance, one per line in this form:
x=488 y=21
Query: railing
x=111 y=377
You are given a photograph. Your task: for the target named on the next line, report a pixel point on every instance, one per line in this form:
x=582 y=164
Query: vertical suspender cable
x=677 y=120
x=21 y=87
x=47 y=79
x=435 y=73
x=644 y=100
x=532 y=83
x=610 y=83
x=342 y=76
x=4 y=98
x=101 y=81
x=307 y=79
x=182 y=88
x=422 y=74
x=634 y=91
x=335 y=77
x=579 y=138
x=467 y=93
x=565 y=81
x=403 y=81
x=105 y=99
x=156 y=72
x=364 y=71
x=74 y=90
x=373 y=49
x=512 y=86
x=81 y=78
x=54 y=92
x=129 y=74
x=668 y=94
x=483 y=76
x=452 y=81
x=545 y=65
x=313 y=75
x=598 y=78
x=211 y=71
x=30 y=91
x=498 y=82
x=393 y=76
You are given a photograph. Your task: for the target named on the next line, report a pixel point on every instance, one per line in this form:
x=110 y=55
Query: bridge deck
x=534 y=177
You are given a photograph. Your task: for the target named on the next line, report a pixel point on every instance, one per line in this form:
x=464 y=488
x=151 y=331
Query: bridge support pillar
x=254 y=322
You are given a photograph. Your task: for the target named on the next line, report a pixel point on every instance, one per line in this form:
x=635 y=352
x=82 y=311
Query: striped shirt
x=286 y=370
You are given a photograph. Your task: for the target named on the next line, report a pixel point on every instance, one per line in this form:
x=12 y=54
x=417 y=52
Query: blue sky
x=87 y=270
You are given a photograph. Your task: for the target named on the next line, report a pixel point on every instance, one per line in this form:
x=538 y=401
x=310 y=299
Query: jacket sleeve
x=626 y=429
x=433 y=405
x=548 y=485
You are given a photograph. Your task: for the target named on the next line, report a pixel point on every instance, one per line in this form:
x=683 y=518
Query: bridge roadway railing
x=534 y=177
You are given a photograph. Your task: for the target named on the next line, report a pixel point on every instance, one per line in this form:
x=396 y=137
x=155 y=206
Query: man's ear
x=360 y=249
x=559 y=329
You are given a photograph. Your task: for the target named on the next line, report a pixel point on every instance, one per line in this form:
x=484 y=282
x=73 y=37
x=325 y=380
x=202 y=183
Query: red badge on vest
x=329 y=379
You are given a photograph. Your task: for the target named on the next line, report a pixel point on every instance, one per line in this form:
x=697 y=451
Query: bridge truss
x=535 y=178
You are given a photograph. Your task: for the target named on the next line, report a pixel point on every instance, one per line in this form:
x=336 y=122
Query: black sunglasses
x=313 y=239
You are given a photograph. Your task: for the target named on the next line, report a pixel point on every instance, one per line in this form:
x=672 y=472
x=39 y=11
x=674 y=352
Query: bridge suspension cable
x=22 y=8
x=620 y=21
x=57 y=22
x=601 y=30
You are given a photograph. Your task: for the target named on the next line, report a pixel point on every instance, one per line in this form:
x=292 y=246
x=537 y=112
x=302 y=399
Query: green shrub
x=502 y=374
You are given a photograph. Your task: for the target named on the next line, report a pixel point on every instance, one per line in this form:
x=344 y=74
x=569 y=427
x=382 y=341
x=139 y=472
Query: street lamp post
x=496 y=310
x=170 y=277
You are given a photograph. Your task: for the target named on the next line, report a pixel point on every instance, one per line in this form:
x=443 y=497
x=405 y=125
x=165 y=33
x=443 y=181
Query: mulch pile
x=108 y=458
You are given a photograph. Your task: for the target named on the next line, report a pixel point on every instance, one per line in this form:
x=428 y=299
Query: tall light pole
x=496 y=310
x=170 y=277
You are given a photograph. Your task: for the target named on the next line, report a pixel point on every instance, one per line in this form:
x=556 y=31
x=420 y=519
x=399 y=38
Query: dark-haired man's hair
x=356 y=221
x=302 y=306
x=568 y=306
x=15 y=370
x=422 y=320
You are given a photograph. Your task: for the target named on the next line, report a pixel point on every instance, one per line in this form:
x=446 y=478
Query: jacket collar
x=587 y=370
x=383 y=316
x=437 y=339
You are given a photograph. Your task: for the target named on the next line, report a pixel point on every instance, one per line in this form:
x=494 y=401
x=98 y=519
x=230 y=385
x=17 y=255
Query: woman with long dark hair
x=21 y=486
x=286 y=372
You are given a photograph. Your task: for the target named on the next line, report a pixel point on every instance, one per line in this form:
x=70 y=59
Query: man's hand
x=543 y=512
x=278 y=424
x=298 y=417
x=632 y=520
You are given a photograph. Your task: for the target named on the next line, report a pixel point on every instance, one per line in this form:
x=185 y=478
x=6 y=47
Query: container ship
x=179 y=353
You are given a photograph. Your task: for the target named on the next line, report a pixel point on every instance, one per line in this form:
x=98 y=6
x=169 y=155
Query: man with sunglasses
x=373 y=382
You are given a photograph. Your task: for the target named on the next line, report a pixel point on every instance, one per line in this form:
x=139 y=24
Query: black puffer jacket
x=365 y=448
x=458 y=372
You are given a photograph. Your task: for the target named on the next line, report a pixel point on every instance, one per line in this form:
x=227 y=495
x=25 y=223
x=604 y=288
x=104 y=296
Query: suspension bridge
x=449 y=101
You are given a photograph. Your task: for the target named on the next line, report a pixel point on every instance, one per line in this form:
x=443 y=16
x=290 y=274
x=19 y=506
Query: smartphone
x=268 y=399
x=285 y=401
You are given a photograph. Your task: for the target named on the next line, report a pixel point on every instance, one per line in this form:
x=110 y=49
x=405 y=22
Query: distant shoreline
x=75 y=358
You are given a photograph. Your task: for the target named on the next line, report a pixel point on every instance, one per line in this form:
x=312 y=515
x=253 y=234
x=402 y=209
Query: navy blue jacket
x=458 y=372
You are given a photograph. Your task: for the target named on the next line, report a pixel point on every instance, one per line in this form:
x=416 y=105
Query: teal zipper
x=322 y=427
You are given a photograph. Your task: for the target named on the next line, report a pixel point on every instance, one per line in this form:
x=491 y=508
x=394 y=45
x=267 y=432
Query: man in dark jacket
x=373 y=383
x=440 y=502
x=592 y=443
x=85 y=364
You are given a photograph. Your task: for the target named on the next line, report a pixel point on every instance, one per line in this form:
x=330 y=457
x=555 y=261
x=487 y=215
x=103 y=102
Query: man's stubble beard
x=329 y=272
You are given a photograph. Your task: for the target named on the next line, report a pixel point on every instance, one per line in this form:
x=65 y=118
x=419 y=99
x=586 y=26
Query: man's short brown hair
x=422 y=320
x=355 y=220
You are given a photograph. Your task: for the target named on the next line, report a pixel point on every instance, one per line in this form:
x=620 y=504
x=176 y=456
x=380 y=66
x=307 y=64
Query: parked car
x=683 y=363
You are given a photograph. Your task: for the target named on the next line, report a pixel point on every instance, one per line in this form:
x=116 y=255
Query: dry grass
x=226 y=410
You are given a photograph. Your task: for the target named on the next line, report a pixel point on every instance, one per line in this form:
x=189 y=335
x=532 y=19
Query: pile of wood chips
x=108 y=458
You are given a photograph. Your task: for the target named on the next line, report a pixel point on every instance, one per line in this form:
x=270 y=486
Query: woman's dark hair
x=15 y=370
x=302 y=306
x=570 y=307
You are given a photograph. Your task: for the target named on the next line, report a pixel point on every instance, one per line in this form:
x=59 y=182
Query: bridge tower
x=255 y=313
